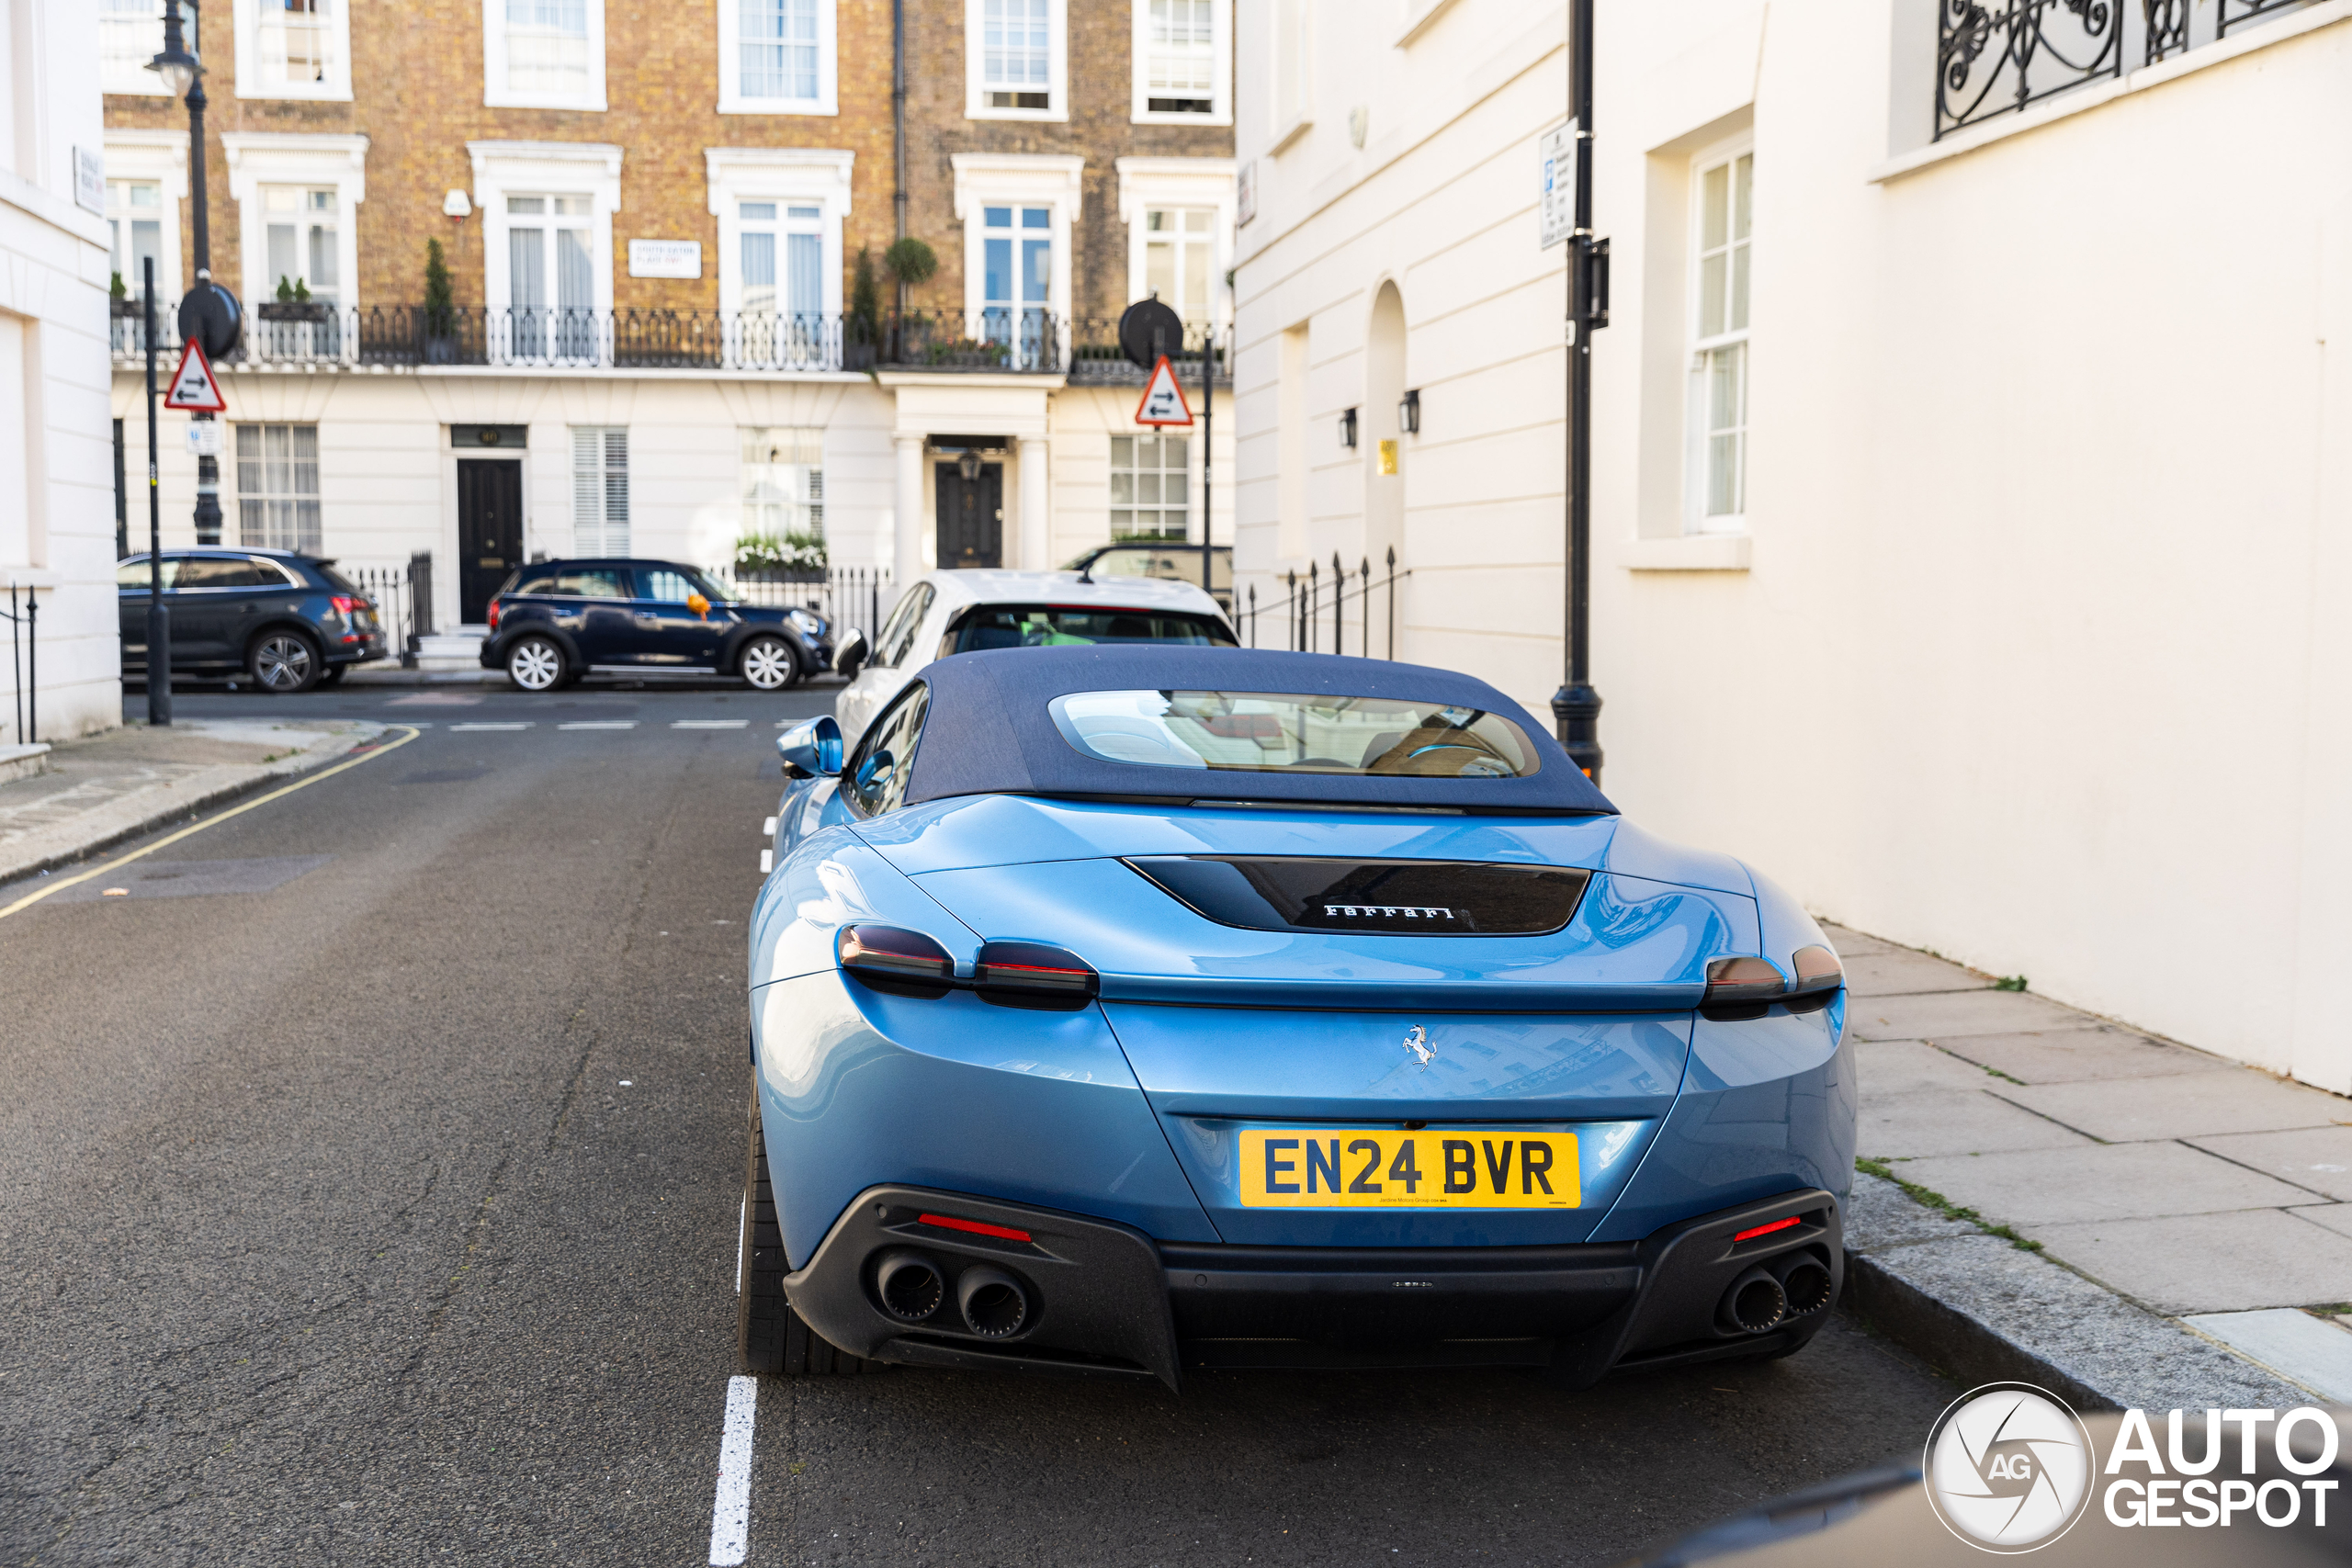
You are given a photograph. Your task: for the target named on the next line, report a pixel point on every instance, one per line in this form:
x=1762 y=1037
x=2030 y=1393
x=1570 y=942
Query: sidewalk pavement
x=2045 y=1190
x=98 y=791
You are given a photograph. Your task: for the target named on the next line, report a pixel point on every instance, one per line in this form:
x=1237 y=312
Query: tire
x=769 y=1336
x=768 y=663
x=284 y=661
x=538 y=664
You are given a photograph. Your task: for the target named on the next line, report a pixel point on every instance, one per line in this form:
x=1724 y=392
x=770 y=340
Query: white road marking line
x=708 y=723
x=600 y=724
x=455 y=728
x=767 y=861
x=742 y=1208
x=767 y=826
x=731 y=1511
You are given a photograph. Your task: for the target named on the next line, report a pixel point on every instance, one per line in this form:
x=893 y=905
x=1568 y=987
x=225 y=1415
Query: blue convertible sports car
x=1123 y=1010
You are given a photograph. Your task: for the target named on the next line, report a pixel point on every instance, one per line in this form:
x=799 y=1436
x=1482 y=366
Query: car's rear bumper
x=1109 y=1301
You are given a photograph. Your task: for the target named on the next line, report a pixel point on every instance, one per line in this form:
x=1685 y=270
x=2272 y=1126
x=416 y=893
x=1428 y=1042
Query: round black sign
x=209 y=316
x=1148 y=329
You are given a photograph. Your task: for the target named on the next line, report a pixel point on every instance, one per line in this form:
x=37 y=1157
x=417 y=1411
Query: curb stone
x=1985 y=1311
x=118 y=829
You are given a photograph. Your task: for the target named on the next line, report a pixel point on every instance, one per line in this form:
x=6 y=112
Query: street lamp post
x=1576 y=706
x=180 y=66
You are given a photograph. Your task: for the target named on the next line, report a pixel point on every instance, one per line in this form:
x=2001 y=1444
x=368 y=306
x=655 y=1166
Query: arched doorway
x=1384 y=447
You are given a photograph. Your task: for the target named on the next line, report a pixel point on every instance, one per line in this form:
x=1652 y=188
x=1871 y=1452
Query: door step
x=459 y=647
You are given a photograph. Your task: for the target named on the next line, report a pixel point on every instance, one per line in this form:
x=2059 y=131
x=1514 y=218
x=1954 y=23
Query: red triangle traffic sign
x=1163 y=399
x=194 y=386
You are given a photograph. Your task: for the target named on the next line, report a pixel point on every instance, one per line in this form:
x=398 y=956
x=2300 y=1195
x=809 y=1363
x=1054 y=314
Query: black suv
x=290 y=621
x=556 y=620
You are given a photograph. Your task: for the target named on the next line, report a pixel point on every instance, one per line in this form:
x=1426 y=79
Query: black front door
x=490 y=531
x=971 y=517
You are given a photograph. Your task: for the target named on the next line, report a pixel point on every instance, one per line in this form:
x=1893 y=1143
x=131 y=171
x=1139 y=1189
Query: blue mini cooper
x=555 y=621
x=1125 y=1011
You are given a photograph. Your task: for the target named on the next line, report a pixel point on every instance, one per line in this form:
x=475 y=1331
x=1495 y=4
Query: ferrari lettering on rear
x=1417 y=1169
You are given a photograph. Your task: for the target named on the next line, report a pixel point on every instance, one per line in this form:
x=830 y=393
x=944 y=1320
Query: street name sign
x=194 y=386
x=665 y=258
x=1163 y=399
x=1557 y=207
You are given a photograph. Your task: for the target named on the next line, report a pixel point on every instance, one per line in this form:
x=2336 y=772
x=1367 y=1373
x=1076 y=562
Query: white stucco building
x=56 y=487
x=1972 y=482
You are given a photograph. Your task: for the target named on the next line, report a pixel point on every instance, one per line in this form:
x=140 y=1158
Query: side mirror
x=811 y=751
x=849 y=657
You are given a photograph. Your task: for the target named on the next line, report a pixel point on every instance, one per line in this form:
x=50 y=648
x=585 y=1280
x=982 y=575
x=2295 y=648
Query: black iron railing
x=845 y=596
x=1996 y=57
x=403 y=599
x=23 y=663
x=1324 y=614
x=1097 y=360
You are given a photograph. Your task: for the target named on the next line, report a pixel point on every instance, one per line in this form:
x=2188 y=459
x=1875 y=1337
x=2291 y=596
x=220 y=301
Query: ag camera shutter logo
x=2008 y=1467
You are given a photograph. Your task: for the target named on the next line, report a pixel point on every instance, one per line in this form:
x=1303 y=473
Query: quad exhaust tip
x=909 y=1286
x=1805 y=1281
x=1754 y=1303
x=993 y=1304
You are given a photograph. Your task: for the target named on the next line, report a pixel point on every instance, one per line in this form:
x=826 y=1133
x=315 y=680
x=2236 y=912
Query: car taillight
x=1740 y=988
x=889 y=959
x=1022 y=972
x=493 y=614
x=1819 y=975
x=345 y=606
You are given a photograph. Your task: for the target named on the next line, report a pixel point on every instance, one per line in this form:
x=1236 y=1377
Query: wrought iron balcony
x=1996 y=57
x=1097 y=360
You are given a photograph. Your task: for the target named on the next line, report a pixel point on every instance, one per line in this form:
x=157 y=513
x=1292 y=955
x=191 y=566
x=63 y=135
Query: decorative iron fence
x=1996 y=56
x=404 y=596
x=845 y=596
x=1315 y=609
x=24 y=664
x=1097 y=360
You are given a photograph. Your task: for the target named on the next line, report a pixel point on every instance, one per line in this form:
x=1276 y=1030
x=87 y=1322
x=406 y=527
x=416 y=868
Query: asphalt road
x=371 y=1194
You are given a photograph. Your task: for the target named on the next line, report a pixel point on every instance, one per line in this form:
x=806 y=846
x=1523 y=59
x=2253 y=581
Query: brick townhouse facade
x=650 y=219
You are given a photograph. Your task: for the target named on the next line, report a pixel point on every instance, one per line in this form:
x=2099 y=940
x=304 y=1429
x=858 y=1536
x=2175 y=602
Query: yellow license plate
x=1301 y=1167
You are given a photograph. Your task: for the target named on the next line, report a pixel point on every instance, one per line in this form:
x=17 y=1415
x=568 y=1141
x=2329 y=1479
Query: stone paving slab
x=2320 y=1352
x=1889 y=1067
x=1935 y=1016
x=1982 y=1309
x=2316 y=1157
x=1851 y=944
x=2336 y=1217
x=2231 y=1100
x=1953 y=1121
x=2098 y=1181
x=2078 y=1055
x=1903 y=974
x=2232 y=1262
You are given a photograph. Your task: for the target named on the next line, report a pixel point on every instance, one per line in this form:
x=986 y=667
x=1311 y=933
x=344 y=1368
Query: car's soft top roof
x=988 y=732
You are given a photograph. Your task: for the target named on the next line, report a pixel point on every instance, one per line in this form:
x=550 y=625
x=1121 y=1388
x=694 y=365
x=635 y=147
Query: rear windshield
x=1052 y=625
x=341 y=583
x=1276 y=731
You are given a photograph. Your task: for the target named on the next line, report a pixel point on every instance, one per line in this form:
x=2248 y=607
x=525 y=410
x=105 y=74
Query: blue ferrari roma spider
x=1125 y=1011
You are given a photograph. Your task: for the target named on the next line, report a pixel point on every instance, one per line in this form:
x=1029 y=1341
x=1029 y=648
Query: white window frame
x=603 y=551
x=1149 y=183
x=1016 y=179
x=271 y=158
x=1221 y=80
x=789 y=176
x=137 y=81
x=1696 y=421
x=292 y=497
x=732 y=98
x=976 y=92
x=803 y=478
x=158 y=158
x=534 y=168
x=495 y=94
x=337 y=88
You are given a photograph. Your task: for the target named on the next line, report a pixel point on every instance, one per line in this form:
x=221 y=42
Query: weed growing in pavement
x=2006 y=1079
x=2009 y=983
x=1884 y=1171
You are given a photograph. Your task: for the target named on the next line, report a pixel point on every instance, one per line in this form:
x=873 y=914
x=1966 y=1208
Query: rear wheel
x=769 y=664
x=284 y=662
x=536 y=664
x=769 y=1335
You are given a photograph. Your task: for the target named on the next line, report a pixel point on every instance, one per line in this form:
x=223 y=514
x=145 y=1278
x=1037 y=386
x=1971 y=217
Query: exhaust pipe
x=909 y=1286
x=1805 y=1281
x=1753 y=1305
x=994 y=1305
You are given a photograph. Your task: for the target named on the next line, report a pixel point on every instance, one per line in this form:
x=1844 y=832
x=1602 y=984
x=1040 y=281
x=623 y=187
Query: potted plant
x=861 y=332
x=780 y=557
x=911 y=263
x=439 y=338
x=294 y=304
x=120 y=304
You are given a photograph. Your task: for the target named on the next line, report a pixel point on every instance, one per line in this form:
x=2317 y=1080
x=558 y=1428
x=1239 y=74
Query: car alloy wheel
x=768 y=664
x=534 y=665
x=283 y=661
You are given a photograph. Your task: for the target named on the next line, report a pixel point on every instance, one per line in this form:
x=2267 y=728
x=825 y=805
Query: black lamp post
x=180 y=66
x=1576 y=706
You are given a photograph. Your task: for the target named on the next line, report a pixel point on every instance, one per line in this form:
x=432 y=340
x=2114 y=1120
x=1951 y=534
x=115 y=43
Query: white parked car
x=961 y=612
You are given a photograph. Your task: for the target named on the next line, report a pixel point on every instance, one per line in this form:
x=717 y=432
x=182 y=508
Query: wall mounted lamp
x=1348 y=429
x=1408 y=412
